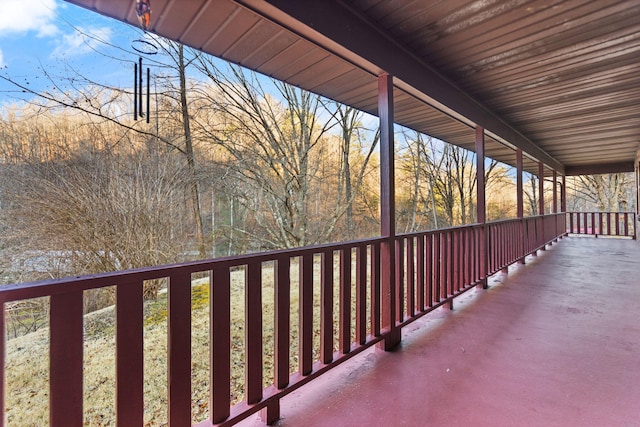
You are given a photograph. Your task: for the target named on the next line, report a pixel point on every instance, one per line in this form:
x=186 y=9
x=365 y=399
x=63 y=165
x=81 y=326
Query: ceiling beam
x=600 y=168
x=337 y=28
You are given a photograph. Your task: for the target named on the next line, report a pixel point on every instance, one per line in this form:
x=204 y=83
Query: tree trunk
x=191 y=162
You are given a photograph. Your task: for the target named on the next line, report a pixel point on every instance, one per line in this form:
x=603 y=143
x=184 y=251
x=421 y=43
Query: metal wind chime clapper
x=138 y=92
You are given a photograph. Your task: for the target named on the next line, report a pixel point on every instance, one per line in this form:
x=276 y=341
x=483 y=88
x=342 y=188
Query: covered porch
x=551 y=343
x=549 y=89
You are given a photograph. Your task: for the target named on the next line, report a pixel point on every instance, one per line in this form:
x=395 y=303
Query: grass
x=27 y=367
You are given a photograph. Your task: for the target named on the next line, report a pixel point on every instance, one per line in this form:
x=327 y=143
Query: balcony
x=553 y=342
x=530 y=342
x=549 y=90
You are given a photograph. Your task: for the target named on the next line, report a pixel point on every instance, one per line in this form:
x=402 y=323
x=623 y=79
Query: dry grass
x=28 y=369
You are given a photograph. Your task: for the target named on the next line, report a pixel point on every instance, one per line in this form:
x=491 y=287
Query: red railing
x=621 y=224
x=434 y=267
x=336 y=281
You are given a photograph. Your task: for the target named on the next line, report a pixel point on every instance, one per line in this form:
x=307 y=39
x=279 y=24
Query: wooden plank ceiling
x=558 y=79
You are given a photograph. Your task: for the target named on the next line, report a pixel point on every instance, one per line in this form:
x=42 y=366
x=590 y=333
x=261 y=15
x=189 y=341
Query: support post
x=387 y=213
x=563 y=203
x=637 y=216
x=540 y=188
x=555 y=191
x=520 y=200
x=541 y=202
x=555 y=203
x=563 y=195
x=481 y=204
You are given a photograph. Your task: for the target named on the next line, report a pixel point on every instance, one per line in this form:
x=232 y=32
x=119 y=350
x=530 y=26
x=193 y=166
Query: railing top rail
x=602 y=212
x=19 y=291
x=37 y=289
x=436 y=230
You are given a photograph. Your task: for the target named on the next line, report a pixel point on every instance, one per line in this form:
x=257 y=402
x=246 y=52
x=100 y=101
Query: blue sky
x=53 y=35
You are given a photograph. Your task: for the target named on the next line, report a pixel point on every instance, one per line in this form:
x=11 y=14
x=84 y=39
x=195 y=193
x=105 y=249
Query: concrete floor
x=553 y=343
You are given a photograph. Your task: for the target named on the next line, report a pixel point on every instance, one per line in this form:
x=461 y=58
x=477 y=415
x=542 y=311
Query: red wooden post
x=458 y=259
x=253 y=332
x=411 y=281
x=571 y=229
x=519 y=184
x=481 y=204
x=444 y=264
x=541 y=202
x=635 y=215
x=179 y=348
x=563 y=195
x=129 y=355
x=282 y=314
x=458 y=263
x=282 y=332
x=305 y=313
x=220 y=347
x=540 y=188
x=465 y=258
x=66 y=351
x=555 y=204
x=399 y=280
x=507 y=242
x=387 y=212
x=437 y=263
x=3 y=336
x=375 y=289
x=431 y=261
x=326 y=307
x=345 y=301
x=361 y=294
x=451 y=263
x=519 y=196
x=555 y=192
x=420 y=277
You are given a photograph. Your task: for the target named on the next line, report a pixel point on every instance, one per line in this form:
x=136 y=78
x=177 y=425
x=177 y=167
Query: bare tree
x=419 y=210
x=352 y=138
x=277 y=144
x=106 y=204
x=606 y=192
x=531 y=194
x=176 y=53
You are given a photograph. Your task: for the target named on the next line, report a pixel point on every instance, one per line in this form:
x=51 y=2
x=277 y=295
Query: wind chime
x=143 y=11
x=137 y=92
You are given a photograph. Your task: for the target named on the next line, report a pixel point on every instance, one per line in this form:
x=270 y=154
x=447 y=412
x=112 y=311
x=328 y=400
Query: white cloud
x=82 y=40
x=20 y=16
x=2 y=64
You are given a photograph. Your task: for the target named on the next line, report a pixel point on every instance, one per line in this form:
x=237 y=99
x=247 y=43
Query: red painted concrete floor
x=553 y=343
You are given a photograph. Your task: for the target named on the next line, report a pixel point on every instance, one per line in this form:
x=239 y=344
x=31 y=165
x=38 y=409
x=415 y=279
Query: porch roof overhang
x=558 y=79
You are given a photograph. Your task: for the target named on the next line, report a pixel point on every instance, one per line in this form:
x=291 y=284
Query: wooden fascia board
x=596 y=169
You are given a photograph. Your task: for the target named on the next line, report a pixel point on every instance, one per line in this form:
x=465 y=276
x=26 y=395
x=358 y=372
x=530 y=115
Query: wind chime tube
x=135 y=91
x=148 y=93
x=140 y=93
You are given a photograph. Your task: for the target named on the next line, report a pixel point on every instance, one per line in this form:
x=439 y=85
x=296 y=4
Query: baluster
x=66 y=351
x=129 y=351
x=179 y=348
